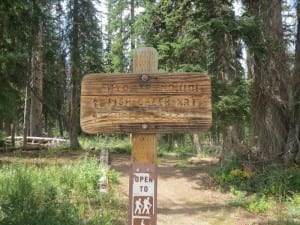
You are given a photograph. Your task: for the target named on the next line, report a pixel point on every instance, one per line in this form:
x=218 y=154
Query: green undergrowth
x=262 y=189
x=114 y=143
x=2 y=138
x=56 y=194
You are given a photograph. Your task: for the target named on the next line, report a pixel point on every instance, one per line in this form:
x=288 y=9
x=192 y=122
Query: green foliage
x=260 y=204
x=231 y=102
x=256 y=203
x=274 y=181
x=260 y=189
x=185 y=151
x=14 y=44
x=293 y=205
x=113 y=143
x=118 y=30
x=113 y=176
x=162 y=148
x=181 y=165
x=2 y=135
x=53 y=195
x=180 y=144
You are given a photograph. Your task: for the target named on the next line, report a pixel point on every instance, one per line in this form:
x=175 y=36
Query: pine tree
x=55 y=69
x=36 y=85
x=203 y=36
x=292 y=148
x=85 y=39
x=269 y=107
x=15 y=45
x=116 y=29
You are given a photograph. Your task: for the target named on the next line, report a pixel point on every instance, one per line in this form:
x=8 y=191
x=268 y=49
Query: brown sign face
x=142 y=194
x=145 y=103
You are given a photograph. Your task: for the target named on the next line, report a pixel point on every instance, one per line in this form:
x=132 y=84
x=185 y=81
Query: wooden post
x=143 y=155
x=145 y=103
x=145 y=60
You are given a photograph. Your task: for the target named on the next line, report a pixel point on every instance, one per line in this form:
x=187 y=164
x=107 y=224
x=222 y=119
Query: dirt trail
x=187 y=196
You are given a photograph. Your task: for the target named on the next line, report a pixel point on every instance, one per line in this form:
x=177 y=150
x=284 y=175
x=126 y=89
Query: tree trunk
x=12 y=134
x=226 y=67
x=1 y=124
x=197 y=143
x=26 y=116
x=61 y=102
x=292 y=153
x=231 y=141
x=37 y=84
x=132 y=17
x=75 y=80
x=269 y=107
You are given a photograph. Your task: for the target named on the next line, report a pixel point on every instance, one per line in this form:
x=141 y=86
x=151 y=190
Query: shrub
x=52 y=195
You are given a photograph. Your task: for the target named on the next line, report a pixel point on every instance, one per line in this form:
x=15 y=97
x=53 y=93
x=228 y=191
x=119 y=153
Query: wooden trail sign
x=146 y=103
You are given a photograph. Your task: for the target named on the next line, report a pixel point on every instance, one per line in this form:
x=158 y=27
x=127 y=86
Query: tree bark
x=226 y=66
x=132 y=17
x=26 y=116
x=75 y=80
x=197 y=143
x=269 y=107
x=37 y=84
x=292 y=151
x=12 y=134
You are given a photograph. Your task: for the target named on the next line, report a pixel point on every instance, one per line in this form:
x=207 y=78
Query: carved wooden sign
x=145 y=103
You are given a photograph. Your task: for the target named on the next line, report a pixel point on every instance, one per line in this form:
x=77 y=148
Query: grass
x=113 y=143
x=182 y=165
x=56 y=194
x=2 y=138
x=269 y=189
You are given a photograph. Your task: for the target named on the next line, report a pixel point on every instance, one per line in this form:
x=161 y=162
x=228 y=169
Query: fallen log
x=9 y=148
x=37 y=142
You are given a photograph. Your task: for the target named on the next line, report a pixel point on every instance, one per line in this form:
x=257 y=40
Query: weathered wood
x=7 y=148
x=145 y=102
x=144 y=148
x=33 y=143
x=40 y=139
x=145 y=60
x=103 y=180
x=144 y=145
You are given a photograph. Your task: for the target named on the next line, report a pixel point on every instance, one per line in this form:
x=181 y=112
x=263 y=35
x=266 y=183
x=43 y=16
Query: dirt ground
x=187 y=196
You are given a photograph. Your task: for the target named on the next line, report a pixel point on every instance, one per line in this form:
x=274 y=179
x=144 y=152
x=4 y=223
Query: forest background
x=253 y=58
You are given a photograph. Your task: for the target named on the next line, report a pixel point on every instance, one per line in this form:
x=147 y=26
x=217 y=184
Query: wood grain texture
x=163 y=103
x=144 y=147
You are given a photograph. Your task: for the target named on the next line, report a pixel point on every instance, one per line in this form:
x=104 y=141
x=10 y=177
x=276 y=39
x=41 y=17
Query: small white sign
x=143 y=184
x=143 y=194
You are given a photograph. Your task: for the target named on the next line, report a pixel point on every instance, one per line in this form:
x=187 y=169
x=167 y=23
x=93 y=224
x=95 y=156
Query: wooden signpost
x=145 y=103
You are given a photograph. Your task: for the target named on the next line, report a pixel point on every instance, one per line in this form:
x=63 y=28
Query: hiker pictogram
x=143 y=205
x=147 y=206
x=138 y=206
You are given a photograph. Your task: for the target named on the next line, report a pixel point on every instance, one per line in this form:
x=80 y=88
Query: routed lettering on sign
x=145 y=103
